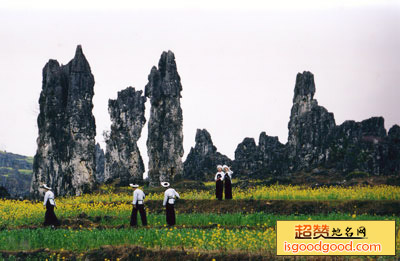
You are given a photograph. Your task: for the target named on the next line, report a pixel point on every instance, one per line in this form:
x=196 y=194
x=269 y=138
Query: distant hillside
x=15 y=173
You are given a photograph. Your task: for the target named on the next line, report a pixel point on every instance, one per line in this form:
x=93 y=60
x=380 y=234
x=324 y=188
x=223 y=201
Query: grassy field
x=92 y=221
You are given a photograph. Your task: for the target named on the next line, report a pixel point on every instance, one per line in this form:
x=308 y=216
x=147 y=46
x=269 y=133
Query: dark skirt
x=219 y=187
x=228 y=187
x=142 y=211
x=50 y=218
x=170 y=213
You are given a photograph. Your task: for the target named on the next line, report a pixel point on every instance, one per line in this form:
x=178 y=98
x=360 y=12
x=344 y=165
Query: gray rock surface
x=315 y=142
x=65 y=157
x=272 y=154
x=165 y=136
x=203 y=158
x=393 y=157
x=258 y=161
x=359 y=146
x=247 y=158
x=310 y=126
x=123 y=159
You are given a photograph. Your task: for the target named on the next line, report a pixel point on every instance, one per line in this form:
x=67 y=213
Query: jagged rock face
x=65 y=158
x=309 y=127
x=393 y=158
x=273 y=154
x=359 y=146
x=315 y=141
x=165 y=140
x=202 y=160
x=100 y=164
x=268 y=158
x=123 y=159
x=247 y=157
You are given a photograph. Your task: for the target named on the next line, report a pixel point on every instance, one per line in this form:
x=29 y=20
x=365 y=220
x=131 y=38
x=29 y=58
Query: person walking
x=138 y=205
x=50 y=218
x=170 y=196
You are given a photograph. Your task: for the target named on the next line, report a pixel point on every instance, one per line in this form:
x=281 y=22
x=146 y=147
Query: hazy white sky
x=237 y=59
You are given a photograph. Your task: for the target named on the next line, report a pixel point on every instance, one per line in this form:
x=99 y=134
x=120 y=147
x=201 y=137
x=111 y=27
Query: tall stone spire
x=310 y=125
x=165 y=140
x=65 y=157
x=123 y=159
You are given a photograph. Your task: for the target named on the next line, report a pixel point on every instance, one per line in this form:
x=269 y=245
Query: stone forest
x=199 y=130
x=69 y=159
x=76 y=201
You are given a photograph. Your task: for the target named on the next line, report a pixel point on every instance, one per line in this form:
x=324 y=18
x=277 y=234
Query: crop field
x=96 y=226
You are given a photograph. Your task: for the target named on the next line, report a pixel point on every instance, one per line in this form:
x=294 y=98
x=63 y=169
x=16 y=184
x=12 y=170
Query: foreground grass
x=80 y=240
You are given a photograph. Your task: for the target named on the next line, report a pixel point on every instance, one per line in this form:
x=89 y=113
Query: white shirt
x=169 y=195
x=229 y=173
x=50 y=197
x=138 y=197
x=220 y=173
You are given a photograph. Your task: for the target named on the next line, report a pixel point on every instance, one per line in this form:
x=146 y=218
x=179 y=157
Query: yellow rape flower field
x=20 y=220
x=283 y=192
x=15 y=212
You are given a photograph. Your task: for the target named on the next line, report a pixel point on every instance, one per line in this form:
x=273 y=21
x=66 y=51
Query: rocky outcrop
x=202 y=160
x=272 y=154
x=393 y=156
x=100 y=164
x=165 y=136
x=315 y=142
x=247 y=158
x=310 y=126
x=268 y=158
x=358 y=146
x=123 y=159
x=65 y=157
